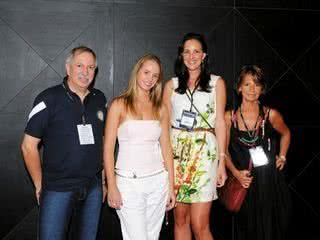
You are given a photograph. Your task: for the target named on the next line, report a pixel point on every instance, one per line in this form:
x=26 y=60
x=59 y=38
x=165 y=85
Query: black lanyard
x=246 y=126
x=192 y=105
x=83 y=111
x=191 y=95
x=83 y=118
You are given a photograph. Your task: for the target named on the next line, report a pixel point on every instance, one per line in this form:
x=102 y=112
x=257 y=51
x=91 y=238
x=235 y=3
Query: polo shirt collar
x=70 y=93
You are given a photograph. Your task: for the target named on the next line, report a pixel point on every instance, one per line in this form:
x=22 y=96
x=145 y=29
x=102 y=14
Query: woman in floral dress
x=196 y=101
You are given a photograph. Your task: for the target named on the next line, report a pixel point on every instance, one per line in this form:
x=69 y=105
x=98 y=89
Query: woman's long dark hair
x=181 y=70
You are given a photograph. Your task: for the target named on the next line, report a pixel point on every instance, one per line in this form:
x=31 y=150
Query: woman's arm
x=112 y=124
x=279 y=125
x=229 y=163
x=167 y=155
x=220 y=129
x=166 y=98
x=243 y=176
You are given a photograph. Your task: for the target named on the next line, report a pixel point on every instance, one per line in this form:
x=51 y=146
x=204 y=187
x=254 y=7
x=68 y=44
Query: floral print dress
x=195 y=152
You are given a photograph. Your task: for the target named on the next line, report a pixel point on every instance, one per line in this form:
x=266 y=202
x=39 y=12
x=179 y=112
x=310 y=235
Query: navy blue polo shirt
x=56 y=112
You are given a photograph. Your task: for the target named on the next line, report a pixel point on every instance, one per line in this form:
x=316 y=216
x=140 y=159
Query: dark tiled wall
x=281 y=36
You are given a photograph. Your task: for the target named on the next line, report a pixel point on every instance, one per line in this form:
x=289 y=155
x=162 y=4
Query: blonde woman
x=140 y=183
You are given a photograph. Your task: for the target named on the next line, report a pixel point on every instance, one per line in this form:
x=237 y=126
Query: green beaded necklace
x=252 y=134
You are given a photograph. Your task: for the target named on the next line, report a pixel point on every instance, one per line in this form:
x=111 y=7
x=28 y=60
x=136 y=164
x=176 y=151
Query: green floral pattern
x=195 y=161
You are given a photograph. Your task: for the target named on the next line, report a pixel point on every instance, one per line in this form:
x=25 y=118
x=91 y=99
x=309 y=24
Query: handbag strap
x=250 y=165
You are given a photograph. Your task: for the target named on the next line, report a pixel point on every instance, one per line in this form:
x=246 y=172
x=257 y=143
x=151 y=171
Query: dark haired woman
x=252 y=130
x=196 y=101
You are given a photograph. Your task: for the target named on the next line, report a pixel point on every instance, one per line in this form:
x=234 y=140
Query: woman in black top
x=253 y=130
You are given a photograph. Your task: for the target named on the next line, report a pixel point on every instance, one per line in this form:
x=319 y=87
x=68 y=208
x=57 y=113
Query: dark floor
x=304 y=225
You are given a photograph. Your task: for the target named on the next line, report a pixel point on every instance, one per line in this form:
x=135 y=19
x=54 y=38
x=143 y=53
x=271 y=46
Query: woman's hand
x=114 y=198
x=104 y=192
x=171 y=202
x=38 y=193
x=244 y=177
x=280 y=162
x=221 y=175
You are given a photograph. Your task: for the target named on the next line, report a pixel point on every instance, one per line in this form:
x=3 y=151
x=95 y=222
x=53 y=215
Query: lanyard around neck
x=255 y=130
x=190 y=95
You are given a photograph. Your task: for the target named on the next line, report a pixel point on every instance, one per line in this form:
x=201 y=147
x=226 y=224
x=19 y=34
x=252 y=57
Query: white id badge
x=187 y=119
x=85 y=134
x=258 y=156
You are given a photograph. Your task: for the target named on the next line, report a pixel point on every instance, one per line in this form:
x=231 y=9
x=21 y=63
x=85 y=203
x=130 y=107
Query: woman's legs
x=156 y=202
x=143 y=209
x=182 y=229
x=200 y=223
x=132 y=212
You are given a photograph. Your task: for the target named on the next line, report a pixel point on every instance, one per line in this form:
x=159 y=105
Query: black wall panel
x=279 y=4
x=157 y=29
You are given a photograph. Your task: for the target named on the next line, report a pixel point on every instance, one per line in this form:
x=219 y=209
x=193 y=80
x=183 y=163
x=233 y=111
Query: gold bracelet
x=283 y=158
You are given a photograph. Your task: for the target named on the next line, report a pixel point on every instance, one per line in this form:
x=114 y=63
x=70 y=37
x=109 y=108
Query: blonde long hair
x=130 y=94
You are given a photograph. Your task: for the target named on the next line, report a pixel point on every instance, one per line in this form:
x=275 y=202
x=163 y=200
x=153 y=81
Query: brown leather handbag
x=232 y=194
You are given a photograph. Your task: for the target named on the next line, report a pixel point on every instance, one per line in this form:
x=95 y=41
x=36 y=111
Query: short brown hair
x=253 y=70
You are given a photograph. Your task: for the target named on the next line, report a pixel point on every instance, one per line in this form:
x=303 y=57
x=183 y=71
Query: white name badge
x=85 y=134
x=258 y=156
x=187 y=119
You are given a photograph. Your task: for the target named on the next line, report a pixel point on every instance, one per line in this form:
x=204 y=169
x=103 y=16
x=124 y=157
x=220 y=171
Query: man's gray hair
x=79 y=50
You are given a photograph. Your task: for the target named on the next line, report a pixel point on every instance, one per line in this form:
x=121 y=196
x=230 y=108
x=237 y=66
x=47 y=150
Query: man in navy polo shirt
x=68 y=120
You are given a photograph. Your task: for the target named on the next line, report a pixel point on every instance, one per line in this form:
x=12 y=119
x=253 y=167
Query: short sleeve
x=105 y=105
x=38 y=116
x=213 y=80
x=175 y=82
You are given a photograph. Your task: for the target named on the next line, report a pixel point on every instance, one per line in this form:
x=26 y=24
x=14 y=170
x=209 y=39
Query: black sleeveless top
x=242 y=140
x=265 y=212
